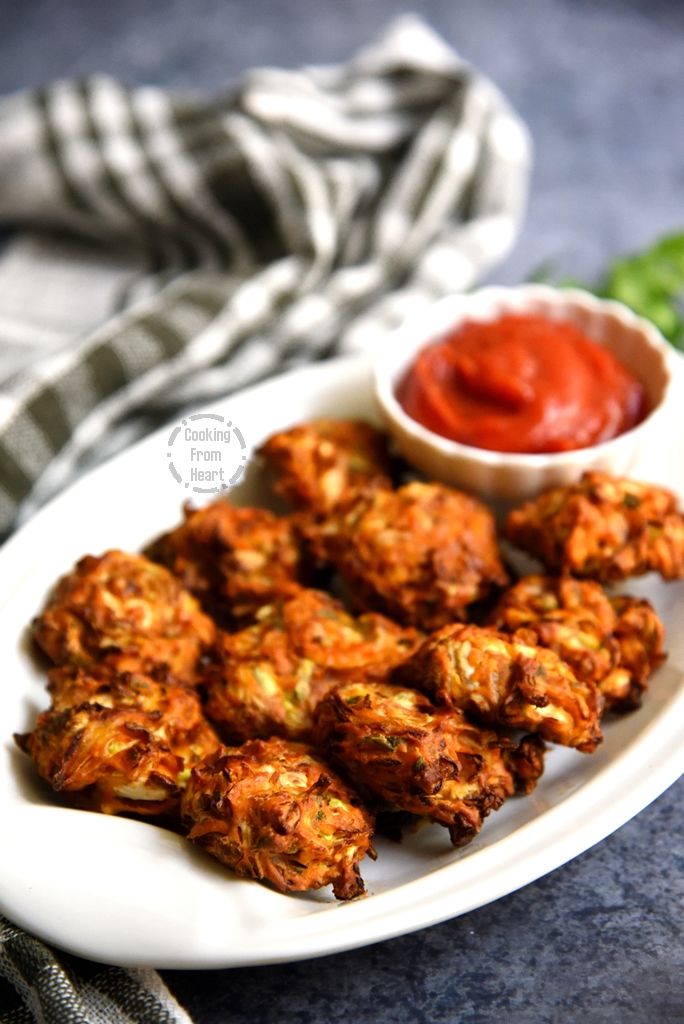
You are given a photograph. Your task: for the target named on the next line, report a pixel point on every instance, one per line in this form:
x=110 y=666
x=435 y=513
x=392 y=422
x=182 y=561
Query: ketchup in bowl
x=522 y=384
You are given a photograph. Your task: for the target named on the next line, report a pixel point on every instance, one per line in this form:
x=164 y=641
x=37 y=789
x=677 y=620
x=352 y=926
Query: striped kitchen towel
x=164 y=248
x=51 y=990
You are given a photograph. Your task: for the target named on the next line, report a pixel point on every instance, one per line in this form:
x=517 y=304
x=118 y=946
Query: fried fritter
x=175 y=709
x=572 y=617
x=320 y=463
x=105 y=759
x=273 y=810
x=234 y=560
x=421 y=554
x=525 y=762
x=412 y=756
x=122 y=613
x=639 y=634
x=506 y=681
x=614 y=642
x=268 y=678
x=604 y=528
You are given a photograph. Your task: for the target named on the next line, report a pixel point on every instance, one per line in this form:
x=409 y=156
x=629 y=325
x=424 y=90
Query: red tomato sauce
x=522 y=384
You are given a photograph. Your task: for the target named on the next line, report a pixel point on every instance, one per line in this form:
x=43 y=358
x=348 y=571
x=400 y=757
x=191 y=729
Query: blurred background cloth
x=173 y=248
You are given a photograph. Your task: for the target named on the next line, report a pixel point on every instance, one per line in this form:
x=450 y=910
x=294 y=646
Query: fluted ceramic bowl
x=513 y=476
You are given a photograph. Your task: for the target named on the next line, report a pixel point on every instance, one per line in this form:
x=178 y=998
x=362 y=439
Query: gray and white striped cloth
x=164 y=249
x=48 y=989
x=170 y=248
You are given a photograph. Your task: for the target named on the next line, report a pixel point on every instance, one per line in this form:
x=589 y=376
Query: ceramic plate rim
x=619 y=791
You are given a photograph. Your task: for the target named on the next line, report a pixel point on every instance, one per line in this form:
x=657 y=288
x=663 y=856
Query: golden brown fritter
x=273 y=810
x=421 y=554
x=604 y=528
x=234 y=560
x=525 y=762
x=175 y=709
x=318 y=464
x=122 y=613
x=572 y=617
x=506 y=681
x=639 y=634
x=614 y=642
x=412 y=756
x=106 y=759
x=268 y=678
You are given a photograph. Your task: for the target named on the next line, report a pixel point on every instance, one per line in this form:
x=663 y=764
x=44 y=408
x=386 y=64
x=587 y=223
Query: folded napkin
x=71 y=991
x=170 y=248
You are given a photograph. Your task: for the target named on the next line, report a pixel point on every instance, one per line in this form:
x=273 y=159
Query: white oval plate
x=125 y=892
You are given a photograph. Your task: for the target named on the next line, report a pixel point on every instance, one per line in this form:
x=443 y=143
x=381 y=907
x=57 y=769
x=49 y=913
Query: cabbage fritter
x=267 y=679
x=319 y=464
x=421 y=554
x=273 y=810
x=412 y=756
x=639 y=634
x=122 y=613
x=614 y=642
x=506 y=681
x=175 y=709
x=106 y=759
x=574 y=618
x=234 y=560
x=604 y=528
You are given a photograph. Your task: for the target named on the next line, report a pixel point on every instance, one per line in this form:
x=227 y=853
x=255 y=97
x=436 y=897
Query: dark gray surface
x=601 y=86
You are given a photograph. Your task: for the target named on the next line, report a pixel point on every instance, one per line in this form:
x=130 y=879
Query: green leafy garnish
x=649 y=282
x=652 y=284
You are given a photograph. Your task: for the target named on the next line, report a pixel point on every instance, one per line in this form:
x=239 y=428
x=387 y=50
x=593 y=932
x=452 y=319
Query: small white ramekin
x=504 y=476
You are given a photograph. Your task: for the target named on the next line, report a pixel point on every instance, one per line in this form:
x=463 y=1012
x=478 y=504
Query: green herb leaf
x=652 y=284
x=384 y=742
x=649 y=282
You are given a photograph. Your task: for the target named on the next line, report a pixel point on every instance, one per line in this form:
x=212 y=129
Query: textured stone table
x=601 y=85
